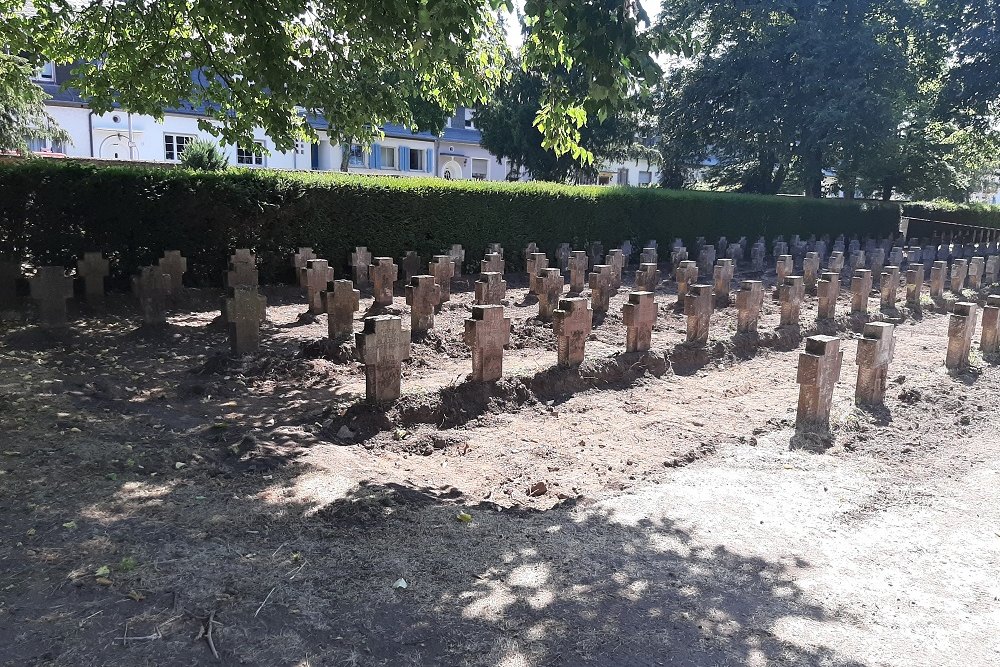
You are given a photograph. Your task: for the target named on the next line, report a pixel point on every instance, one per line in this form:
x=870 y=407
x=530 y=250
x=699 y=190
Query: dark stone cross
x=51 y=287
x=457 y=254
x=383 y=346
x=442 y=269
x=639 y=315
x=487 y=332
x=423 y=295
x=549 y=284
x=93 y=269
x=341 y=301
x=174 y=265
x=318 y=274
x=299 y=260
x=361 y=259
x=578 y=264
x=601 y=287
x=383 y=274
x=490 y=288
x=242 y=270
x=411 y=265
x=245 y=310
x=151 y=287
x=535 y=264
x=572 y=324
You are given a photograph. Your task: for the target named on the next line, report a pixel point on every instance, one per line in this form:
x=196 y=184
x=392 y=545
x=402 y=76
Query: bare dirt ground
x=651 y=509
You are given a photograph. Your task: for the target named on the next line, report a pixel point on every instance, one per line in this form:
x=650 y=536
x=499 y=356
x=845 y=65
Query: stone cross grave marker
x=550 y=286
x=486 y=333
x=723 y=278
x=961 y=329
x=686 y=275
x=616 y=258
x=562 y=256
x=93 y=269
x=242 y=270
x=411 y=265
x=810 y=271
x=677 y=255
x=749 y=300
x=51 y=288
x=318 y=274
x=457 y=254
x=341 y=301
x=977 y=266
x=827 y=291
x=578 y=264
x=698 y=308
x=989 y=343
x=990 y=270
x=757 y=253
x=535 y=264
x=10 y=273
x=836 y=262
x=647 y=278
x=595 y=253
x=876 y=261
x=601 y=287
x=245 y=309
x=174 y=265
x=639 y=316
x=959 y=272
x=896 y=256
x=383 y=346
x=874 y=355
x=299 y=260
x=706 y=260
x=861 y=288
x=529 y=250
x=855 y=261
x=889 y=286
x=818 y=372
x=422 y=296
x=490 y=288
x=383 y=273
x=492 y=264
x=791 y=294
x=361 y=260
x=151 y=286
x=494 y=249
x=938 y=272
x=572 y=324
x=914 y=284
x=783 y=267
x=442 y=269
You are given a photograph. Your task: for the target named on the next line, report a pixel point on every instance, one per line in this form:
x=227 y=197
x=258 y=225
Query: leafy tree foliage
x=22 y=108
x=358 y=63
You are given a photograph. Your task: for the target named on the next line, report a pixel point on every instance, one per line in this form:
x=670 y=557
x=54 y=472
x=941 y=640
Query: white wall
x=496 y=170
x=74 y=121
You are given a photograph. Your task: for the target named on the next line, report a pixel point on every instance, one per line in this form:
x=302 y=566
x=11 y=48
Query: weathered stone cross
x=723 y=278
x=790 y=294
x=649 y=256
x=549 y=285
x=938 y=272
x=51 y=287
x=647 y=278
x=914 y=284
x=990 y=341
x=616 y=258
x=487 y=332
x=562 y=256
x=151 y=286
x=299 y=260
x=685 y=274
x=748 y=302
x=442 y=269
x=383 y=274
x=961 y=328
x=243 y=270
x=341 y=301
x=889 y=286
x=572 y=324
x=535 y=264
x=174 y=265
x=818 y=372
x=422 y=296
x=977 y=266
x=93 y=269
x=361 y=260
x=828 y=290
x=411 y=265
x=601 y=287
x=698 y=308
x=383 y=346
x=810 y=270
x=874 y=356
x=492 y=264
x=318 y=274
x=457 y=254
x=783 y=267
x=490 y=288
x=578 y=264
x=639 y=316
x=959 y=272
x=861 y=287
x=245 y=309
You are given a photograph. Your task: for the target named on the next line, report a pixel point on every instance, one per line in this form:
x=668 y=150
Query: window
x=479 y=169
x=417 y=158
x=36 y=144
x=356 y=157
x=249 y=158
x=46 y=73
x=645 y=178
x=470 y=118
x=388 y=157
x=300 y=147
x=623 y=176
x=174 y=145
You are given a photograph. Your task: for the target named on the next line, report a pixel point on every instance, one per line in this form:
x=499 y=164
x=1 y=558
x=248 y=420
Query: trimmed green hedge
x=980 y=215
x=53 y=211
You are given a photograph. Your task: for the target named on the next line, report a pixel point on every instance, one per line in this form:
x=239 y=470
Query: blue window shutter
x=375 y=158
x=404 y=158
x=429 y=167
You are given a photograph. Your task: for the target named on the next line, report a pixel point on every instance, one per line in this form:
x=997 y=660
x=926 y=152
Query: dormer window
x=470 y=117
x=46 y=73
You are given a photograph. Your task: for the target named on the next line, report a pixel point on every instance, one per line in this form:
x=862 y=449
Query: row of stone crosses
x=383 y=344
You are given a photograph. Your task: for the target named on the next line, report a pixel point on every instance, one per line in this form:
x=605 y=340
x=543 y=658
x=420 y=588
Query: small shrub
x=204 y=155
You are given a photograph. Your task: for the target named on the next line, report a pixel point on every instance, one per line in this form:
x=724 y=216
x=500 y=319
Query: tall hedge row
x=51 y=212
x=980 y=215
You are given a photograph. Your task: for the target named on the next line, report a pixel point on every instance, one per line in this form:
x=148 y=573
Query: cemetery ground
x=161 y=501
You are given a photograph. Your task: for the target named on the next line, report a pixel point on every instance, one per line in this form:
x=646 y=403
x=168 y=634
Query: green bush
x=51 y=212
x=203 y=155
